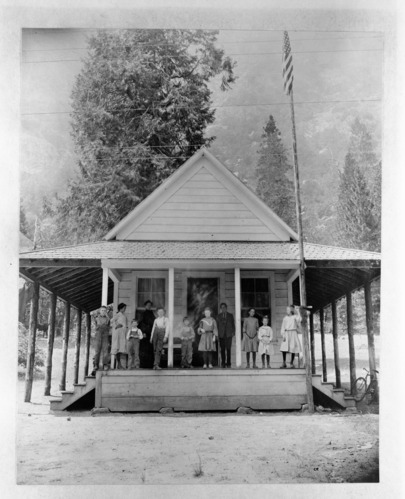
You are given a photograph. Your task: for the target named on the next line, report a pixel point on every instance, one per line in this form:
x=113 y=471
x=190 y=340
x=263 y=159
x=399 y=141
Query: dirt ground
x=77 y=448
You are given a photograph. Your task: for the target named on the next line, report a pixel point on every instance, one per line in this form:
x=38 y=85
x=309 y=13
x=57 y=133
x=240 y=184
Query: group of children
x=126 y=340
x=259 y=339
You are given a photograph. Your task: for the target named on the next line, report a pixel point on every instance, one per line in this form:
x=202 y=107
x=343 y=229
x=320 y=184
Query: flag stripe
x=287 y=65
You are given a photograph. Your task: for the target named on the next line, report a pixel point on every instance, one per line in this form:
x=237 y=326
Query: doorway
x=201 y=292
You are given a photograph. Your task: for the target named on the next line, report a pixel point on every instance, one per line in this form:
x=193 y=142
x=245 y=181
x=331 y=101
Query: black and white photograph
x=197 y=202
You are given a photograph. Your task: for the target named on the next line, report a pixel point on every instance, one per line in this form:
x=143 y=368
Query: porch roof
x=74 y=273
x=91 y=254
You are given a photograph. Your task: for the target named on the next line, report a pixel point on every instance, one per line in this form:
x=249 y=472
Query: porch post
x=352 y=358
x=370 y=328
x=324 y=370
x=104 y=294
x=51 y=337
x=115 y=296
x=171 y=317
x=77 y=346
x=336 y=344
x=62 y=384
x=238 y=313
x=312 y=336
x=29 y=372
x=87 y=347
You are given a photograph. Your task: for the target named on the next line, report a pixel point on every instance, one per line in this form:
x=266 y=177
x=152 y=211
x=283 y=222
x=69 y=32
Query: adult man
x=102 y=323
x=226 y=331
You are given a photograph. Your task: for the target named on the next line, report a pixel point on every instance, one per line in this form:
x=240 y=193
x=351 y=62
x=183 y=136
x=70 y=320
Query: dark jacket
x=226 y=325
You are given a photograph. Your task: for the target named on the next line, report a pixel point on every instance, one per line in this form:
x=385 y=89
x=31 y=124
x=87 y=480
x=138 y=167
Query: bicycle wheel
x=372 y=392
x=361 y=385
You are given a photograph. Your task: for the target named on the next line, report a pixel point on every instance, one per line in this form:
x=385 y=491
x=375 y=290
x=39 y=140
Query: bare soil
x=181 y=448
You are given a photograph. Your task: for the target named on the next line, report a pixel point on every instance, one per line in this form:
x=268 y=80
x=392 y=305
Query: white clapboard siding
x=204 y=209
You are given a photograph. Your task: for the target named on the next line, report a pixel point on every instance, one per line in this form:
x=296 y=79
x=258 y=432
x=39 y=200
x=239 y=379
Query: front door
x=201 y=292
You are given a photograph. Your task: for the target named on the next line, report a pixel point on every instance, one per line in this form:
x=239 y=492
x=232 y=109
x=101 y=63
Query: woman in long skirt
x=290 y=327
x=119 y=338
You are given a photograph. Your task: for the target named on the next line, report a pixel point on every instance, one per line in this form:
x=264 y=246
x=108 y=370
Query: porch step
x=336 y=394
x=70 y=397
x=202 y=389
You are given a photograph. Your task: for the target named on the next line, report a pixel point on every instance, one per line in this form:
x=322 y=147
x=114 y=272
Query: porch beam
x=50 y=289
x=29 y=372
x=171 y=317
x=65 y=346
x=77 y=346
x=336 y=345
x=62 y=276
x=51 y=339
x=370 y=328
x=350 y=333
x=193 y=264
x=238 y=312
x=322 y=327
x=365 y=264
x=312 y=342
x=87 y=345
x=60 y=262
x=81 y=282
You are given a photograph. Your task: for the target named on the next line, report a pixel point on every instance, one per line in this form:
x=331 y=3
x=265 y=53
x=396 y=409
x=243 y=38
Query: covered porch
x=242 y=274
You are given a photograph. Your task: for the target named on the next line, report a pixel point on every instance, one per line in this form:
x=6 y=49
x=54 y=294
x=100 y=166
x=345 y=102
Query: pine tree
x=274 y=186
x=359 y=205
x=141 y=105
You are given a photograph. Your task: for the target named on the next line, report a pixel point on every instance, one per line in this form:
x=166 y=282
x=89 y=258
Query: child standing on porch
x=160 y=333
x=289 y=331
x=187 y=336
x=265 y=336
x=250 y=341
x=209 y=331
x=134 y=337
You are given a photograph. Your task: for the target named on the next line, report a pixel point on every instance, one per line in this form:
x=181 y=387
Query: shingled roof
x=193 y=250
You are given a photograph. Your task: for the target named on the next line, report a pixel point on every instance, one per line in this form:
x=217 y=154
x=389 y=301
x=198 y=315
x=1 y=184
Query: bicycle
x=364 y=389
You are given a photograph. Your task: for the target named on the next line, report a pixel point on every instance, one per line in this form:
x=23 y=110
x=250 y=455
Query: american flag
x=287 y=65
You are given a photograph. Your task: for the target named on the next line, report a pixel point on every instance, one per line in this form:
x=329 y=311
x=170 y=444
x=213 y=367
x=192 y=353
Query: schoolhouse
x=200 y=239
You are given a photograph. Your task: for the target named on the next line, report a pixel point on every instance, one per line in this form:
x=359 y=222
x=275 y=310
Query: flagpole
x=303 y=292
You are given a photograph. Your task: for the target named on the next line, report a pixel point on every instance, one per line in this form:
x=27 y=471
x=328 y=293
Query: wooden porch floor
x=200 y=389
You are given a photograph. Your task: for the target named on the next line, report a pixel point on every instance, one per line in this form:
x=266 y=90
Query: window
x=255 y=293
x=151 y=288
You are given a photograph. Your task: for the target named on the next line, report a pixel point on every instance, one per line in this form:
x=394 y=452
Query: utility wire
x=223 y=106
x=230 y=54
x=218 y=42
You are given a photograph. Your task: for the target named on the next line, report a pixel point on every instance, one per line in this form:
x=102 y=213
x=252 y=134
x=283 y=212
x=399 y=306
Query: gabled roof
x=202 y=200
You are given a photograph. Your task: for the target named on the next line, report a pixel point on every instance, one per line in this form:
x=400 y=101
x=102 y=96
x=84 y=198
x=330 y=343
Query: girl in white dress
x=289 y=331
x=265 y=336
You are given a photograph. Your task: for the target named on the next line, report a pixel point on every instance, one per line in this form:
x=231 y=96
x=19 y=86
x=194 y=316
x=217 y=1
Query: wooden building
x=201 y=238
